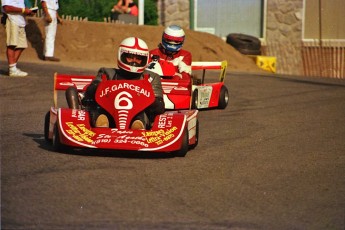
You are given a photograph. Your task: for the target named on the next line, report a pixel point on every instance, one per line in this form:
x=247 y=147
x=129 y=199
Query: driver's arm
x=158 y=106
x=185 y=65
x=108 y=72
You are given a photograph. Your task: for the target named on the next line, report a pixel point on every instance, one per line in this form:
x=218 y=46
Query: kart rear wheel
x=184 y=146
x=223 y=97
x=46 y=127
x=195 y=99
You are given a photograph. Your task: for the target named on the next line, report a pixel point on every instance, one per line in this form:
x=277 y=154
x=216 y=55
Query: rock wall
x=284 y=34
x=174 y=12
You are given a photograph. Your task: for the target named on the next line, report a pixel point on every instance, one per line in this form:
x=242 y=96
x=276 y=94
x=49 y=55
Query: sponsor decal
x=159 y=136
x=79 y=132
x=134 y=140
x=79 y=114
x=128 y=86
x=204 y=96
x=165 y=121
x=102 y=138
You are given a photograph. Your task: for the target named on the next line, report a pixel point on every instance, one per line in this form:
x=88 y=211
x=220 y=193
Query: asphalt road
x=273 y=159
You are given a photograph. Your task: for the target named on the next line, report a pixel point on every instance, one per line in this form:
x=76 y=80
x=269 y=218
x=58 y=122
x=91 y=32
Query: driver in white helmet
x=170 y=49
x=133 y=56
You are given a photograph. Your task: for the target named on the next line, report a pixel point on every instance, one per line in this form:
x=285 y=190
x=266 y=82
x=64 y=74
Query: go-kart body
x=192 y=93
x=173 y=131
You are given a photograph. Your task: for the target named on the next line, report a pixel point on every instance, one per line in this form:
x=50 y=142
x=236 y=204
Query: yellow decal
x=80 y=132
x=159 y=136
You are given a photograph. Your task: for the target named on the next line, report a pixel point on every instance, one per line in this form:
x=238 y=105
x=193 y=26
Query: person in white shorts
x=16 y=40
x=51 y=17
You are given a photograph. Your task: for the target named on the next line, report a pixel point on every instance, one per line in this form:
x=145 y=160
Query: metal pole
x=191 y=15
x=141 y=12
x=320 y=23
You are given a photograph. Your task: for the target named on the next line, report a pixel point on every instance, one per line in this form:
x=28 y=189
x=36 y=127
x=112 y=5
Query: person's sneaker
x=137 y=124
x=17 y=73
x=51 y=59
x=102 y=121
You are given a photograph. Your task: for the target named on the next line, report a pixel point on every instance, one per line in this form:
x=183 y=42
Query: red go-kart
x=192 y=93
x=174 y=131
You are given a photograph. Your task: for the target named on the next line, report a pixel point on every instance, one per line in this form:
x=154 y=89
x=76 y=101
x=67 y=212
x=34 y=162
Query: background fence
x=325 y=59
x=309 y=58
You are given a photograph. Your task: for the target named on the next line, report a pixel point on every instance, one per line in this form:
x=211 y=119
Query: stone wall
x=173 y=12
x=284 y=34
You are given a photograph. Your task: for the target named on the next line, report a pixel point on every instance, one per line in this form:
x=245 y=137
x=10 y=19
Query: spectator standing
x=170 y=49
x=51 y=18
x=16 y=40
x=124 y=7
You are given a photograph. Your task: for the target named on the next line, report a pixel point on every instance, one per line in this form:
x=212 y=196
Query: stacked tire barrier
x=245 y=44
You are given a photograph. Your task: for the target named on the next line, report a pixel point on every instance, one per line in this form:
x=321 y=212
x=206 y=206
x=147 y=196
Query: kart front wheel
x=46 y=127
x=184 y=146
x=57 y=145
x=223 y=97
x=195 y=99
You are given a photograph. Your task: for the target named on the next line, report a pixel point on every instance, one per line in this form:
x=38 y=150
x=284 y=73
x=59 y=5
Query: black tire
x=57 y=145
x=249 y=51
x=245 y=44
x=196 y=136
x=184 y=146
x=46 y=127
x=195 y=99
x=223 y=97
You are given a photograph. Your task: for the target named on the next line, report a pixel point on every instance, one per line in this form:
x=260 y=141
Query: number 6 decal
x=124 y=98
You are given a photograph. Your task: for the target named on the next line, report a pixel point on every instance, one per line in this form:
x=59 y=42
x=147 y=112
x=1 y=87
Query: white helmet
x=133 y=55
x=173 y=38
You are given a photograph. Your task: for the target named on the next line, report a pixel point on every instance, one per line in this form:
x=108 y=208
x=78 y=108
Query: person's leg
x=11 y=55
x=16 y=42
x=102 y=121
x=50 y=33
x=115 y=15
x=17 y=53
x=98 y=116
x=141 y=121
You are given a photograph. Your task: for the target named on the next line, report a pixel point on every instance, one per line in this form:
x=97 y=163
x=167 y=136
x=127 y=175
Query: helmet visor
x=132 y=59
x=172 y=42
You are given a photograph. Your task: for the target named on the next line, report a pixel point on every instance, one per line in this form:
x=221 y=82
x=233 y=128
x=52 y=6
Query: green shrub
x=97 y=10
x=151 y=12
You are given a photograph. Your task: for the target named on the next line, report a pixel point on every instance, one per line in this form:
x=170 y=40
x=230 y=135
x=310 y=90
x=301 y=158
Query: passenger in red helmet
x=133 y=57
x=170 y=49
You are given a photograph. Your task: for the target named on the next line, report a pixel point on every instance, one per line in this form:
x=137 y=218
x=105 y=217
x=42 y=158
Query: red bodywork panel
x=165 y=135
x=178 y=92
x=123 y=100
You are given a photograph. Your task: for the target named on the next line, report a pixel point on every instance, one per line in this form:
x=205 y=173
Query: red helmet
x=173 y=38
x=133 y=55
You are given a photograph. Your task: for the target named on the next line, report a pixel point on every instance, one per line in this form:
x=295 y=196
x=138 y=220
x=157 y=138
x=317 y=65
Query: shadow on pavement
x=43 y=144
